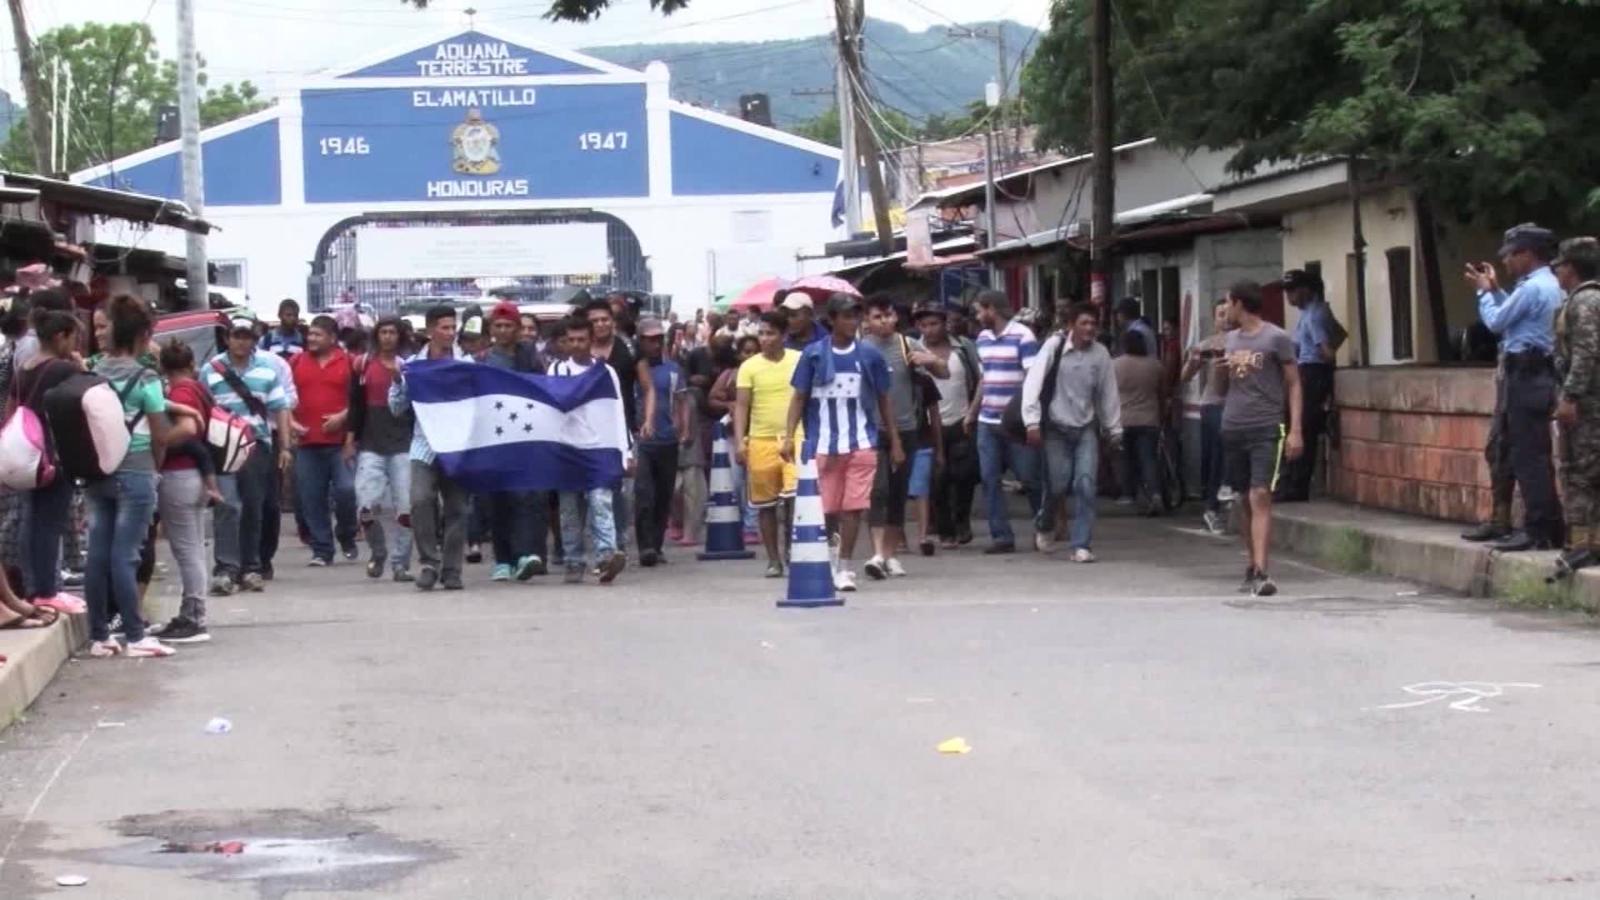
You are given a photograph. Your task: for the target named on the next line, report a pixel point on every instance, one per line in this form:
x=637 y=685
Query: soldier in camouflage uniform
x=1577 y=329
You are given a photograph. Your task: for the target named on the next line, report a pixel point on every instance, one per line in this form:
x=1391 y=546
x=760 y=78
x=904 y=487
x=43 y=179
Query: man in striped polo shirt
x=1006 y=349
x=246 y=494
x=841 y=386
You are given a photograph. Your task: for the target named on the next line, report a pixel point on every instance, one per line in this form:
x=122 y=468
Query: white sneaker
x=895 y=569
x=844 y=580
x=1082 y=555
x=1225 y=494
x=105 y=649
x=1213 y=522
x=1043 y=541
x=876 y=569
x=149 y=647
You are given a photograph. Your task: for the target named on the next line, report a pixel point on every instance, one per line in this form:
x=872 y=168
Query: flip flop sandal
x=25 y=623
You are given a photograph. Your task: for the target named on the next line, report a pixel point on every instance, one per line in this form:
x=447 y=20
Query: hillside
x=918 y=73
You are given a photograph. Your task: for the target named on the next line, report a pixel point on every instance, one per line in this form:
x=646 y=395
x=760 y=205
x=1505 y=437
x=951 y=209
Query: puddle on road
x=284 y=850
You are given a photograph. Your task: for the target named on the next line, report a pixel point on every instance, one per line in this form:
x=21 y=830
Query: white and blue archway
x=481 y=122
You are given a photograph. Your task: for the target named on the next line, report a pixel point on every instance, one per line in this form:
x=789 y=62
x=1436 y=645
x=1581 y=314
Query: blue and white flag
x=499 y=430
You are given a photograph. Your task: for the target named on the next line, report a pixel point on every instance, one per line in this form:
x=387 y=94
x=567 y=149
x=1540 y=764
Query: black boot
x=1488 y=531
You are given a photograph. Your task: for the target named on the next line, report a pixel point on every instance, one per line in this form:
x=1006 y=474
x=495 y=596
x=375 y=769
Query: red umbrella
x=821 y=287
x=759 y=295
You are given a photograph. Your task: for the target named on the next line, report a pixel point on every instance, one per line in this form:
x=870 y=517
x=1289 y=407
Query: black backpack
x=1011 y=424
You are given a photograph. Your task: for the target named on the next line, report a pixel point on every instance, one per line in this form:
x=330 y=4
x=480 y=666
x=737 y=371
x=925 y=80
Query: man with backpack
x=955 y=481
x=1069 y=398
x=322 y=376
x=907 y=360
x=243 y=382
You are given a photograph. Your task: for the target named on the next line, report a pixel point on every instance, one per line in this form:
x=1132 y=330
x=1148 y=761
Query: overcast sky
x=264 y=40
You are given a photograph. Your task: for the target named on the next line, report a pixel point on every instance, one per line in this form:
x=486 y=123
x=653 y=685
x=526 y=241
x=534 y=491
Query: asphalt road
x=1137 y=730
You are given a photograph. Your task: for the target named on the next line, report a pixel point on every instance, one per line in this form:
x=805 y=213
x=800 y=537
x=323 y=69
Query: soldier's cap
x=841 y=303
x=1586 y=249
x=1300 y=278
x=1527 y=236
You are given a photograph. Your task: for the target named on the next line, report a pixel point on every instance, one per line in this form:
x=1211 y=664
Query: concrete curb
x=33 y=657
x=1354 y=539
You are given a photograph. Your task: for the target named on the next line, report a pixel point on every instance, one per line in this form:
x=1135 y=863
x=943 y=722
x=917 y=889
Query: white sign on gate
x=474 y=251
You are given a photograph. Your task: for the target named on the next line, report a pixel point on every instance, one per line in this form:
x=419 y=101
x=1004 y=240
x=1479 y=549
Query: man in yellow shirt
x=759 y=415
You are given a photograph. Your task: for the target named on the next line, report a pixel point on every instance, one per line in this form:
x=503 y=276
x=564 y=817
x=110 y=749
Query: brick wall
x=1411 y=439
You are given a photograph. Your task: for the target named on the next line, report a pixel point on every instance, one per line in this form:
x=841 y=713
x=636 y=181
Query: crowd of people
x=906 y=413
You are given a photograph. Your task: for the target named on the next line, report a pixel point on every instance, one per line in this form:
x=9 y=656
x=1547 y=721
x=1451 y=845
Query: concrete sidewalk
x=32 y=657
x=1357 y=539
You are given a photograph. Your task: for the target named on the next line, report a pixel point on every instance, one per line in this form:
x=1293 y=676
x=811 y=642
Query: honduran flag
x=499 y=430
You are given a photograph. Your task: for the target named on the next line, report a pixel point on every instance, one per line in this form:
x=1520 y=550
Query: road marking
x=1468 y=693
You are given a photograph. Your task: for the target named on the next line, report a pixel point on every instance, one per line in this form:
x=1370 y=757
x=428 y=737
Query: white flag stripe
x=469 y=424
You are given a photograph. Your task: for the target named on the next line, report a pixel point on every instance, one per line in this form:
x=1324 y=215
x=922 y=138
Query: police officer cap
x=1300 y=278
x=1528 y=236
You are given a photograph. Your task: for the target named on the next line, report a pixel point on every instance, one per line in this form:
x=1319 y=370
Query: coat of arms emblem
x=476 y=146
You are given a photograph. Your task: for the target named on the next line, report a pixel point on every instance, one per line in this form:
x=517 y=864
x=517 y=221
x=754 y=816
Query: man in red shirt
x=322 y=377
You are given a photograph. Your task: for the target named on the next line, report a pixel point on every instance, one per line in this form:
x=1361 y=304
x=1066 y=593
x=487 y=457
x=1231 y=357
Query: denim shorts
x=921 y=473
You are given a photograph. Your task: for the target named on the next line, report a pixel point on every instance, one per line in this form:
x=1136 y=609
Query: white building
x=480 y=155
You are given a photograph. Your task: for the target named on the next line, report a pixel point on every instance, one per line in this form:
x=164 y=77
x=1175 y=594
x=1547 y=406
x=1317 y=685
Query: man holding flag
x=438 y=503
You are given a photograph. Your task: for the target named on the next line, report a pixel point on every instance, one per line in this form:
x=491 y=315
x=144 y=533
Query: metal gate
x=334 y=281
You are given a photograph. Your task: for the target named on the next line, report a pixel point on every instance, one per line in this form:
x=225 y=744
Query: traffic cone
x=810 y=558
x=724 y=524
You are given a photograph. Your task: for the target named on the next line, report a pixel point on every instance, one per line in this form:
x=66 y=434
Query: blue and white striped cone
x=810 y=557
x=724 y=524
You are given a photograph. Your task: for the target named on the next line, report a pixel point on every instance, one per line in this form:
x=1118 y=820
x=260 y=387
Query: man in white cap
x=243 y=381
x=803 y=326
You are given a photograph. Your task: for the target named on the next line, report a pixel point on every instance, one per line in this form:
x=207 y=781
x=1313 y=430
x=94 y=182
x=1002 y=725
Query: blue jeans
x=602 y=527
x=1139 y=444
x=120 y=511
x=46 y=511
x=995 y=453
x=383 y=489
x=318 y=472
x=1211 y=455
x=1072 y=458
x=239 y=525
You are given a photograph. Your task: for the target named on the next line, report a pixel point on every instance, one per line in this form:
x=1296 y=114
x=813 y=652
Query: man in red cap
x=518 y=519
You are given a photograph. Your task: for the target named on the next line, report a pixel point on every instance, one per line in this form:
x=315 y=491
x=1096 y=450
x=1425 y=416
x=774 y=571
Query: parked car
x=205 y=331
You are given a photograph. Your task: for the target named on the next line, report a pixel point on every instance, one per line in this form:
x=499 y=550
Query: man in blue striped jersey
x=1006 y=349
x=841 y=386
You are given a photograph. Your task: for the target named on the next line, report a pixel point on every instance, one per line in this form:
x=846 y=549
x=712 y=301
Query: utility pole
x=193 y=184
x=849 y=16
x=849 y=156
x=998 y=35
x=32 y=90
x=1102 y=115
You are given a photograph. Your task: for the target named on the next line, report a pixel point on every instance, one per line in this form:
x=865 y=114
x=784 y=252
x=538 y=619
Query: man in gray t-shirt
x=1255 y=378
x=1260 y=381
x=887 y=515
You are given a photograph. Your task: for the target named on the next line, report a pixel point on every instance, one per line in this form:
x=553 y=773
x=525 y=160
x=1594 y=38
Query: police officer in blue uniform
x=1524 y=319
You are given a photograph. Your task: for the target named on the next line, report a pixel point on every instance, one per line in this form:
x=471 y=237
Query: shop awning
x=99 y=201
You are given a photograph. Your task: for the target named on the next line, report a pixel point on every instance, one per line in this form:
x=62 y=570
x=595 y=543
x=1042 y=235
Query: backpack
x=87 y=425
x=230 y=438
x=1011 y=424
x=26 y=462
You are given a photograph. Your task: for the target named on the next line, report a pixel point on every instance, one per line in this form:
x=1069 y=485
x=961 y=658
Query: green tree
x=118 y=82
x=892 y=127
x=1482 y=105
